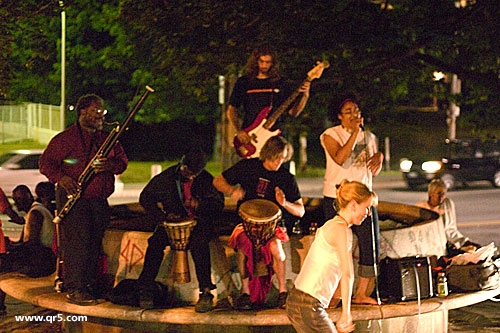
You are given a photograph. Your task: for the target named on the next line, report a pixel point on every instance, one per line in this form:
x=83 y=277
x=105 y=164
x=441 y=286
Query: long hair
x=252 y=66
x=352 y=190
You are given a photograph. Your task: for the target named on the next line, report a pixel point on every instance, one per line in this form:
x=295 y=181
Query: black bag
x=126 y=292
x=473 y=277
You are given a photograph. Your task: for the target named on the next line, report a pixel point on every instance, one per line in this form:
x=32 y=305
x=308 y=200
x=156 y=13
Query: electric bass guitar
x=259 y=131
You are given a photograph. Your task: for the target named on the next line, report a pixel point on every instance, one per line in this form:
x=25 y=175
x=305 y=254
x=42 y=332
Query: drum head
x=259 y=210
x=177 y=224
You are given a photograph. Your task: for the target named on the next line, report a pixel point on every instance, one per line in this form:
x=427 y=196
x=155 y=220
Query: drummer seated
x=265 y=178
x=181 y=192
x=256 y=268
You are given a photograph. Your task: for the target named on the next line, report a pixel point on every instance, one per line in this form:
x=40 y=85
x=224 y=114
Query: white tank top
x=320 y=274
x=355 y=167
x=48 y=227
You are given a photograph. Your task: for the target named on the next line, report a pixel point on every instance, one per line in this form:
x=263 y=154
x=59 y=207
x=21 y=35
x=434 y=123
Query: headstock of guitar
x=316 y=72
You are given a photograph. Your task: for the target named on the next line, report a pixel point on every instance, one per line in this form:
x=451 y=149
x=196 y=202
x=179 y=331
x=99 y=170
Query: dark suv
x=463 y=161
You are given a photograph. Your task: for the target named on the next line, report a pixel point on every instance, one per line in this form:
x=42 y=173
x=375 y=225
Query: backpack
x=126 y=292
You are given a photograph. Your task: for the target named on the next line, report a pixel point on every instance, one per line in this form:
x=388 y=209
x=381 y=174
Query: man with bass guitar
x=258 y=92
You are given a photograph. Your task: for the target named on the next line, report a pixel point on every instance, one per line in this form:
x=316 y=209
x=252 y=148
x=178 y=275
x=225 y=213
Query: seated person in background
x=265 y=178
x=33 y=256
x=46 y=195
x=183 y=191
x=6 y=208
x=438 y=202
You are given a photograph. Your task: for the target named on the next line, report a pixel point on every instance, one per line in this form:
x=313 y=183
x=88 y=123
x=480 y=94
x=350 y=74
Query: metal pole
x=454 y=109
x=63 y=67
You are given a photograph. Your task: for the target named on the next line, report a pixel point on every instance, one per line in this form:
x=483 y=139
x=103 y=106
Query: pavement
x=481 y=317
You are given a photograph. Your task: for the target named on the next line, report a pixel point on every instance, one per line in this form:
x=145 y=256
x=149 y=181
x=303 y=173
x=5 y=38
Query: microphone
x=361 y=125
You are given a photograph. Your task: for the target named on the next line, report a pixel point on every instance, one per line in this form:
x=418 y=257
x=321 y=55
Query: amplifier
x=405 y=279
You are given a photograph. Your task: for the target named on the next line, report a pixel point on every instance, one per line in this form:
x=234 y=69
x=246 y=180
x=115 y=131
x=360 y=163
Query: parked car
x=463 y=161
x=21 y=167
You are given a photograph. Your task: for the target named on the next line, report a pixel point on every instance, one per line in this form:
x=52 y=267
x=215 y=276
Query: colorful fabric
x=259 y=285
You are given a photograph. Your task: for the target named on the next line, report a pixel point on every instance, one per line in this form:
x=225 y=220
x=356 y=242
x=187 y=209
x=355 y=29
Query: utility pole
x=453 y=110
x=226 y=84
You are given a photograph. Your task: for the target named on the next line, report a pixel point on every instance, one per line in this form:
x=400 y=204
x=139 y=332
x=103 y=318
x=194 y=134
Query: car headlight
x=431 y=166
x=405 y=165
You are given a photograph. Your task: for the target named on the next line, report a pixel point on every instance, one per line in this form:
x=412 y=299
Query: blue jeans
x=307 y=314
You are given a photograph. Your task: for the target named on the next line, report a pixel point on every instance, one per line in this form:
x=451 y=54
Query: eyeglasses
x=99 y=111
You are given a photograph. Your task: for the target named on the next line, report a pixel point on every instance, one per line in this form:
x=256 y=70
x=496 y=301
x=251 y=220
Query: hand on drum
x=280 y=196
x=238 y=193
x=192 y=203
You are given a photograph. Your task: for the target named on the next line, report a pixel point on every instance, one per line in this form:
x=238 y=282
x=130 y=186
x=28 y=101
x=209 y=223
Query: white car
x=21 y=167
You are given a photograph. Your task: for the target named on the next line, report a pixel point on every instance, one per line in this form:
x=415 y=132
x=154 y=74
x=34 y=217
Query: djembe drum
x=178 y=233
x=260 y=218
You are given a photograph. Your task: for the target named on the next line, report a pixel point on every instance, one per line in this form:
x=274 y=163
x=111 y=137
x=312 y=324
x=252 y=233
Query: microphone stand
x=374 y=247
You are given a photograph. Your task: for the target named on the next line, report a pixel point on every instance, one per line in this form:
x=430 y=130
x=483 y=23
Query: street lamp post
x=63 y=66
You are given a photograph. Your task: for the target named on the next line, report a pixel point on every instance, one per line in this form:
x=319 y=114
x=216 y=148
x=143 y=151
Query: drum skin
x=260 y=218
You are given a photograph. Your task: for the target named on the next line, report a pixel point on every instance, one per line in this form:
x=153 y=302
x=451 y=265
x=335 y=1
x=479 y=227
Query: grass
x=140 y=172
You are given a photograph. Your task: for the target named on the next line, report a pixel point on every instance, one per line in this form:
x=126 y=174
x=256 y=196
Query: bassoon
x=103 y=151
x=87 y=175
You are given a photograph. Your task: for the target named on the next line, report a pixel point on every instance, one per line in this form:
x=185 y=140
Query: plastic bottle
x=442 y=285
x=296 y=228
x=312 y=228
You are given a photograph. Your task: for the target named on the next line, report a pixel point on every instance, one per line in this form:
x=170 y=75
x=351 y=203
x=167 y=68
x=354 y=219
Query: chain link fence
x=35 y=121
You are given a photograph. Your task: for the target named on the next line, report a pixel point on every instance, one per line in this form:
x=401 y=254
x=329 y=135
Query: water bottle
x=312 y=228
x=296 y=230
x=442 y=285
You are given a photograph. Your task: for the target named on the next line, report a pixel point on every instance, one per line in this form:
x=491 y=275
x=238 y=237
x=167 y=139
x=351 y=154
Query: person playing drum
x=183 y=191
x=262 y=178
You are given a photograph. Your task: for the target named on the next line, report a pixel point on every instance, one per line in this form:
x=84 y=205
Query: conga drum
x=178 y=233
x=260 y=218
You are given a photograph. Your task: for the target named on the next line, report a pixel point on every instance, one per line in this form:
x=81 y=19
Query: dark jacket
x=164 y=190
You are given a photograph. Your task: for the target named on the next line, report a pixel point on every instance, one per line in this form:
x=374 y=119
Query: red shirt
x=68 y=154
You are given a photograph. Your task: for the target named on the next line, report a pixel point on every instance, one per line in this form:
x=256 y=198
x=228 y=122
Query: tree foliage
x=384 y=50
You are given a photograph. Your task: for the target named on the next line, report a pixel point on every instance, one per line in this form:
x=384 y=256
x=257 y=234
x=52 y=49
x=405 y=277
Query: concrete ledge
x=39 y=291
x=126 y=249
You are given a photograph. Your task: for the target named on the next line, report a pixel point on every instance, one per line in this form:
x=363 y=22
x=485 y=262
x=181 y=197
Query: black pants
x=198 y=245
x=82 y=231
x=32 y=260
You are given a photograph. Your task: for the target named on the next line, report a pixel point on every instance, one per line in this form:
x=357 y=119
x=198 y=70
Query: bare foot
x=364 y=300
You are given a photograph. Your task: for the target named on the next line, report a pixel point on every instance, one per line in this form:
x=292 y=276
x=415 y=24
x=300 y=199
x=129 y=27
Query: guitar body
x=259 y=130
x=258 y=135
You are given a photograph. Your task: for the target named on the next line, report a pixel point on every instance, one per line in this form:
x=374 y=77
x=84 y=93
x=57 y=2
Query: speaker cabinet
x=405 y=279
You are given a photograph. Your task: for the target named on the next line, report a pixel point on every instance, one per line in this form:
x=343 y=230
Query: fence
x=38 y=122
